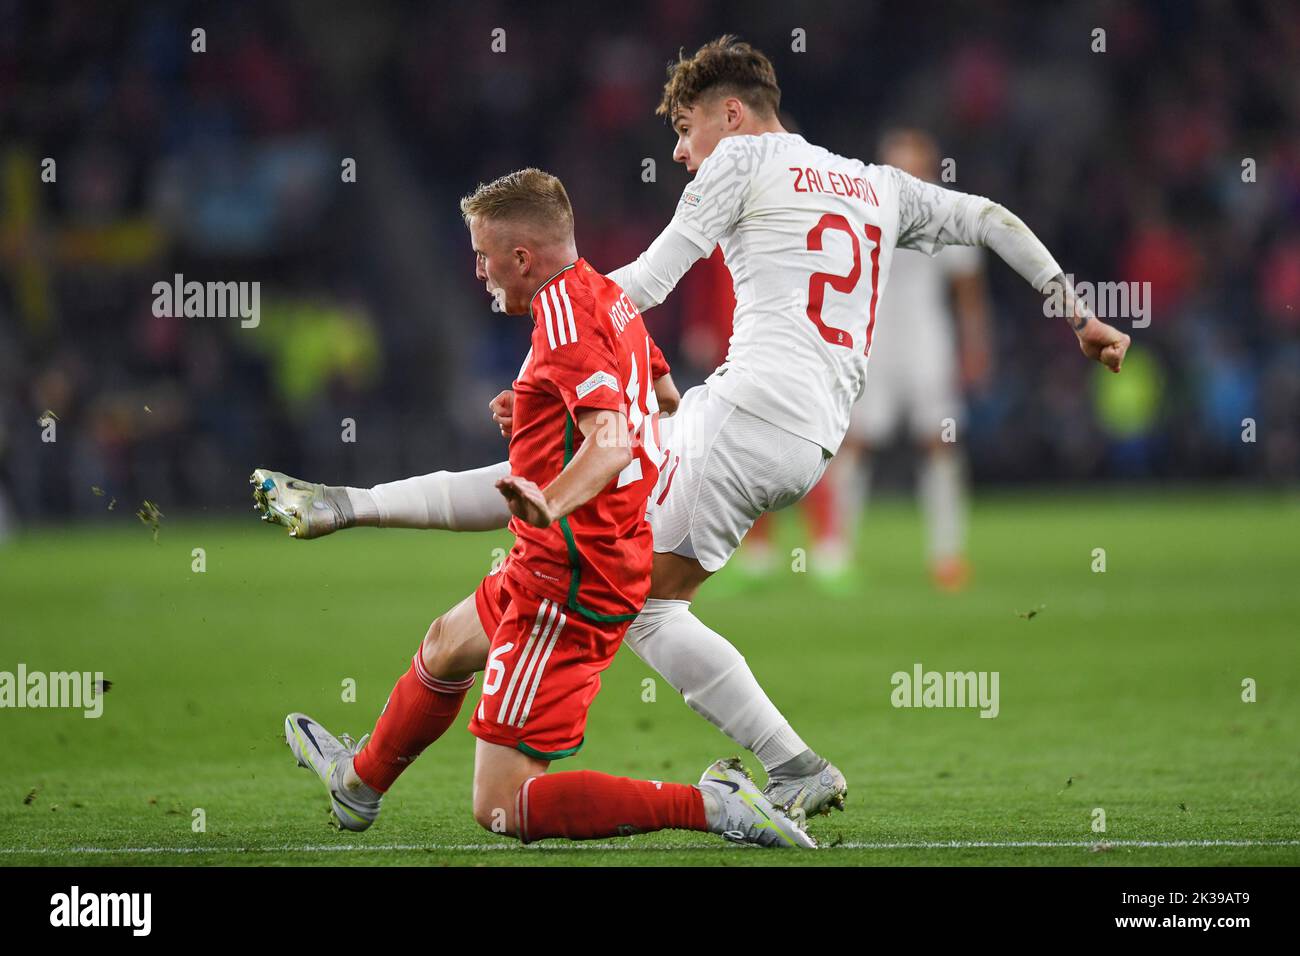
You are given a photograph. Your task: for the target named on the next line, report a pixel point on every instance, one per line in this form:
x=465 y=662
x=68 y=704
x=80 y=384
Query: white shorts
x=724 y=467
x=913 y=385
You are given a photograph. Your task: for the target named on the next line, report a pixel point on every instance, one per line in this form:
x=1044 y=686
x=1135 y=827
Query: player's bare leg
x=515 y=796
x=499 y=774
x=455 y=646
x=717 y=683
x=676 y=578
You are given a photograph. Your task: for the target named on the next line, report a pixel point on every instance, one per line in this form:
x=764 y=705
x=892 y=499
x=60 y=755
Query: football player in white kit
x=920 y=360
x=809 y=237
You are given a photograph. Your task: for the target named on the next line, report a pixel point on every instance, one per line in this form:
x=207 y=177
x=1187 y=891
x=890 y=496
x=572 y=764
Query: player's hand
x=1104 y=343
x=503 y=412
x=666 y=395
x=526 y=500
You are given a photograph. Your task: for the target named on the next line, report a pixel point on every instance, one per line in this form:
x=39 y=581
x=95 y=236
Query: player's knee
x=490 y=818
x=494 y=810
x=656 y=613
x=437 y=652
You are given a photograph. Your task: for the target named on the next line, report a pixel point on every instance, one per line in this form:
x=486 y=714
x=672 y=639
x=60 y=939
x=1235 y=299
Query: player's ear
x=523 y=260
x=733 y=113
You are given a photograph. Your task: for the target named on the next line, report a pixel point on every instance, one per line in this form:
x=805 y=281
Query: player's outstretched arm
x=442 y=501
x=605 y=452
x=649 y=278
x=1004 y=233
x=931 y=216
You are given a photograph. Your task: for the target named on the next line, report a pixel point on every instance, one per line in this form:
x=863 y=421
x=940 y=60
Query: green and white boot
x=355 y=808
x=736 y=810
x=308 y=510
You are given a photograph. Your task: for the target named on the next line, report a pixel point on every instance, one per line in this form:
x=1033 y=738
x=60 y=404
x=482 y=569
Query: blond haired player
x=551 y=617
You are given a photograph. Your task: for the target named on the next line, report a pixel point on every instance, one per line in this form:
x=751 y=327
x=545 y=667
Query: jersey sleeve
x=649 y=277
x=714 y=201
x=931 y=217
x=658 y=364
x=583 y=364
x=924 y=211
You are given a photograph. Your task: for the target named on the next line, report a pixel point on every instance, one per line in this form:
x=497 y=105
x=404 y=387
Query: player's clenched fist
x=526 y=500
x=503 y=412
x=1104 y=343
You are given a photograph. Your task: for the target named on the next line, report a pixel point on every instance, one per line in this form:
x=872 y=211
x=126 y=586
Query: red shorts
x=543 y=669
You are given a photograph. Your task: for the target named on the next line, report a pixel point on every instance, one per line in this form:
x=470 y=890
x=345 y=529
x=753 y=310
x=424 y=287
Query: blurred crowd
x=1171 y=157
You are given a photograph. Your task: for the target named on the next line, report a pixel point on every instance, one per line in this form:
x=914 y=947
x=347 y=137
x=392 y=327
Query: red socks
x=583 y=804
x=819 y=505
x=419 y=709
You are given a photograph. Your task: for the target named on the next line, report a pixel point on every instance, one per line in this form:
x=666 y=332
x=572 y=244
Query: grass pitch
x=1124 y=692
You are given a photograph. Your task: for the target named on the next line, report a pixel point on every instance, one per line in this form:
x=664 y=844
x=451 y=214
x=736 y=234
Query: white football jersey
x=809 y=237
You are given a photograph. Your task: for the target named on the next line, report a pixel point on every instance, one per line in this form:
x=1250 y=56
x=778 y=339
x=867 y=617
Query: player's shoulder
x=570 y=306
x=882 y=174
x=896 y=179
x=745 y=154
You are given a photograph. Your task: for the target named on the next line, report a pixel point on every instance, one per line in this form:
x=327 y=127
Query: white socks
x=714 y=679
x=941 y=488
x=444 y=500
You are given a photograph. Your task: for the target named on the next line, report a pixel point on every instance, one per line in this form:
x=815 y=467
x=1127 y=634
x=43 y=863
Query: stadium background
x=1121 y=691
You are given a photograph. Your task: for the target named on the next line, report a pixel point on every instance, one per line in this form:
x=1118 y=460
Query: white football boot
x=308 y=510
x=808 y=796
x=736 y=809
x=319 y=750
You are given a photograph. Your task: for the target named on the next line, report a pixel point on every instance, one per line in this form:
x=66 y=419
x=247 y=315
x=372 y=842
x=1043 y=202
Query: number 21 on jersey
x=843 y=284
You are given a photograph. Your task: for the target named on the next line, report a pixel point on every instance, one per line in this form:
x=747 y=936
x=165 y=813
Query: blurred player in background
x=920 y=363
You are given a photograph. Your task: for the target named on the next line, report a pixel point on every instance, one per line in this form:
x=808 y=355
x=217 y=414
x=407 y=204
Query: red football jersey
x=590 y=350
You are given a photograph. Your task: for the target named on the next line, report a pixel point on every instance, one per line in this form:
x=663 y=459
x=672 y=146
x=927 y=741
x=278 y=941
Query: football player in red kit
x=583 y=460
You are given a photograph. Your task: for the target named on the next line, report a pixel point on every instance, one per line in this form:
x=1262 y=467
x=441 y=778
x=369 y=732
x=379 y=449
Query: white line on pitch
x=477 y=847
